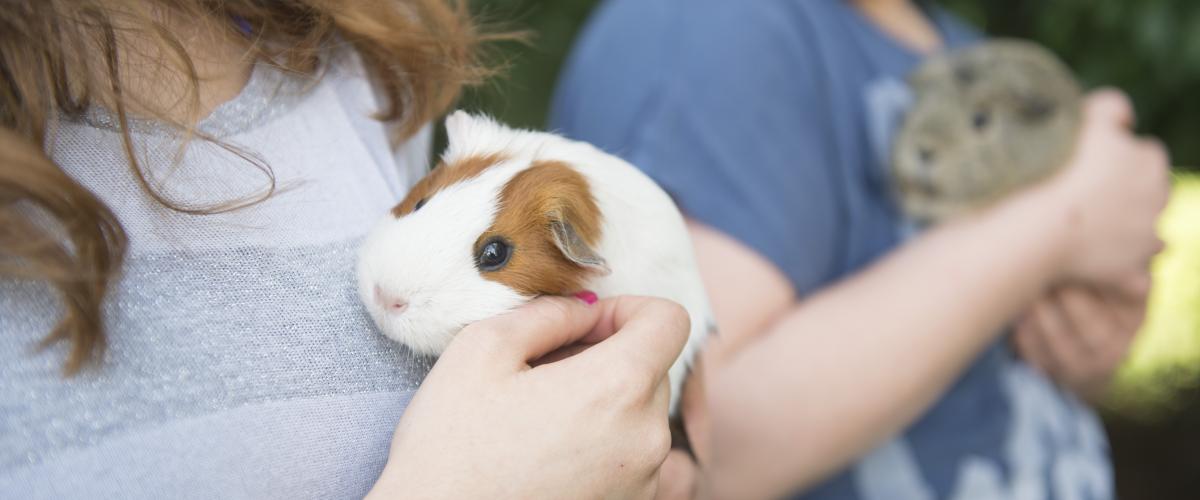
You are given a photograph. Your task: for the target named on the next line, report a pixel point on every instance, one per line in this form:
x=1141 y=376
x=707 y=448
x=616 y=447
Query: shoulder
x=655 y=36
x=636 y=55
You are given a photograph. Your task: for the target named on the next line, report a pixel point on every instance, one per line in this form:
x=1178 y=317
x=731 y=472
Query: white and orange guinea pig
x=509 y=215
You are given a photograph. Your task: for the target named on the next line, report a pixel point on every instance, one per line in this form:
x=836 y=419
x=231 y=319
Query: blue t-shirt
x=771 y=121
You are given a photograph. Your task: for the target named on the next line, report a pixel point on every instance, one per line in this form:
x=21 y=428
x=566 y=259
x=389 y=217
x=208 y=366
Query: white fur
x=428 y=254
x=429 y=261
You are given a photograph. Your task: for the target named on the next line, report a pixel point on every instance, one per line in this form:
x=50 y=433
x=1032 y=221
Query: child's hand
x=1109 y=197
x=1079 y=337
x=680 y=478
x=487 y=425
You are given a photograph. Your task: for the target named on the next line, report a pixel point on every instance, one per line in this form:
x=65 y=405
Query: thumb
x=538 y=328
x=1110 y=105
x=677 y=477
x=1134 y=287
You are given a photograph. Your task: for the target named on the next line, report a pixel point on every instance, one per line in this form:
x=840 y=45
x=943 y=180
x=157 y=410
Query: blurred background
x=1141 y=46
x=1148 y=48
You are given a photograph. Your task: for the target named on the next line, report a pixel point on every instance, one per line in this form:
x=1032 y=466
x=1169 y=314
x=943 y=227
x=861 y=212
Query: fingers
x=654 y=445
x=693 y=407
x=559 y=354
x=648 y=333
x=661 y=402
x=533 y=330
x=1152 y=164
x=1129 y=311
x=1154 y=152
x=1105 y=336
x=1091 y=323
x=677 y=477
x=1135 y=287
x=1079 y=336
x=1153 y=156
x=1110 y=106
x=1066 y=353
x=1155 y=160
x=1030 y=346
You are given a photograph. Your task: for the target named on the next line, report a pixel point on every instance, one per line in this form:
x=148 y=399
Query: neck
x=154 y=79
x=903 y=21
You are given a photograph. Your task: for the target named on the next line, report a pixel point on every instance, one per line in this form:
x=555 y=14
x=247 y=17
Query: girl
x=182 y=185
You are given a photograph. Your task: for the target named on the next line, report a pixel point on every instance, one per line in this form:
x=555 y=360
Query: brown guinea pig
x=987 y=120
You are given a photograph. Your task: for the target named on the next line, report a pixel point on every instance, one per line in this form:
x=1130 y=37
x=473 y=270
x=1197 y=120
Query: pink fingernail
x=587 y=296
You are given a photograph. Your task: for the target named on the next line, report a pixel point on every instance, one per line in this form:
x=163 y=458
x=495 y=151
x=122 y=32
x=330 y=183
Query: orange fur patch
x=532 y=199
x=444 y=175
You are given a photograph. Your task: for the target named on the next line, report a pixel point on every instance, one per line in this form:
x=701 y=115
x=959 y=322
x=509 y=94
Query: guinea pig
x=509 y=215
x=986 y=121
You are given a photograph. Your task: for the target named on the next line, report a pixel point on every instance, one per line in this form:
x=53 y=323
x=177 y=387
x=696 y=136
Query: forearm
x=862 y=359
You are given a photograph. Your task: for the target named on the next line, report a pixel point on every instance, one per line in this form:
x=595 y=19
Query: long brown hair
x=419 y=53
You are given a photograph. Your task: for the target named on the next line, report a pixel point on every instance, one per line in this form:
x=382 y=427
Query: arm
x=823 y=380
x=855 y=363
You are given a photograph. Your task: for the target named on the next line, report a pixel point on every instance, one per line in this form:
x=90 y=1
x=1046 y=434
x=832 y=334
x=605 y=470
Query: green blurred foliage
x=1149 y=48
x=521 y=94
x=1166 y=354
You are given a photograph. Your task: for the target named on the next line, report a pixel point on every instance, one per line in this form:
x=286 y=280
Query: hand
x=1110 y=194
x=485 y=424
x=682 y=474
x=1079 y=336
x=679 y=477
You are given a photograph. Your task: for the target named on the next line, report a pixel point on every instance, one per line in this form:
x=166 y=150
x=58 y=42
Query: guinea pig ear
x=1035 y=108
x=461 y=126
x=470 y=135
x=573 y=247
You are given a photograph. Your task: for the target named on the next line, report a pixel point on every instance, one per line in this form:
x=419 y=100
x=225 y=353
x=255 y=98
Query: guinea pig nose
x=391 y=304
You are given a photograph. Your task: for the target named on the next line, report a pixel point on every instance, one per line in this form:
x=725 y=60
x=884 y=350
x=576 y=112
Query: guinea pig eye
x=980 y=120
x=420 y=203
x=494 y=255
x=965 y=75
x=925 y=155
x=1035 y=109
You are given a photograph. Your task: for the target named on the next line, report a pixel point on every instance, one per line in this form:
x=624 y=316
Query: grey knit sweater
x=241 y=364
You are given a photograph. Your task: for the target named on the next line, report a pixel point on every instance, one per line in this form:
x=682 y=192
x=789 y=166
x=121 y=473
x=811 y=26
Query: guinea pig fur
x=509 y=215
x=988 y=120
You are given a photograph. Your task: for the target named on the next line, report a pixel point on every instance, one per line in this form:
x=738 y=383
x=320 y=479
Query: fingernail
x=587 y=296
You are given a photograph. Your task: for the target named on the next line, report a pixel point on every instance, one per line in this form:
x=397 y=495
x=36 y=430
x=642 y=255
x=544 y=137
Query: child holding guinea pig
x=182 y=185
x=850 y=365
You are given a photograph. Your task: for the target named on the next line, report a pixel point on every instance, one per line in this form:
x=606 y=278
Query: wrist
x=1058 y=217
x=1040 y=221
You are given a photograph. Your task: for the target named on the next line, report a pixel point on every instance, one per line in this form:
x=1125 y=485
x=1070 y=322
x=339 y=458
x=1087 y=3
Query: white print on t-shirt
x=887 y=100
x=1055 y=450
